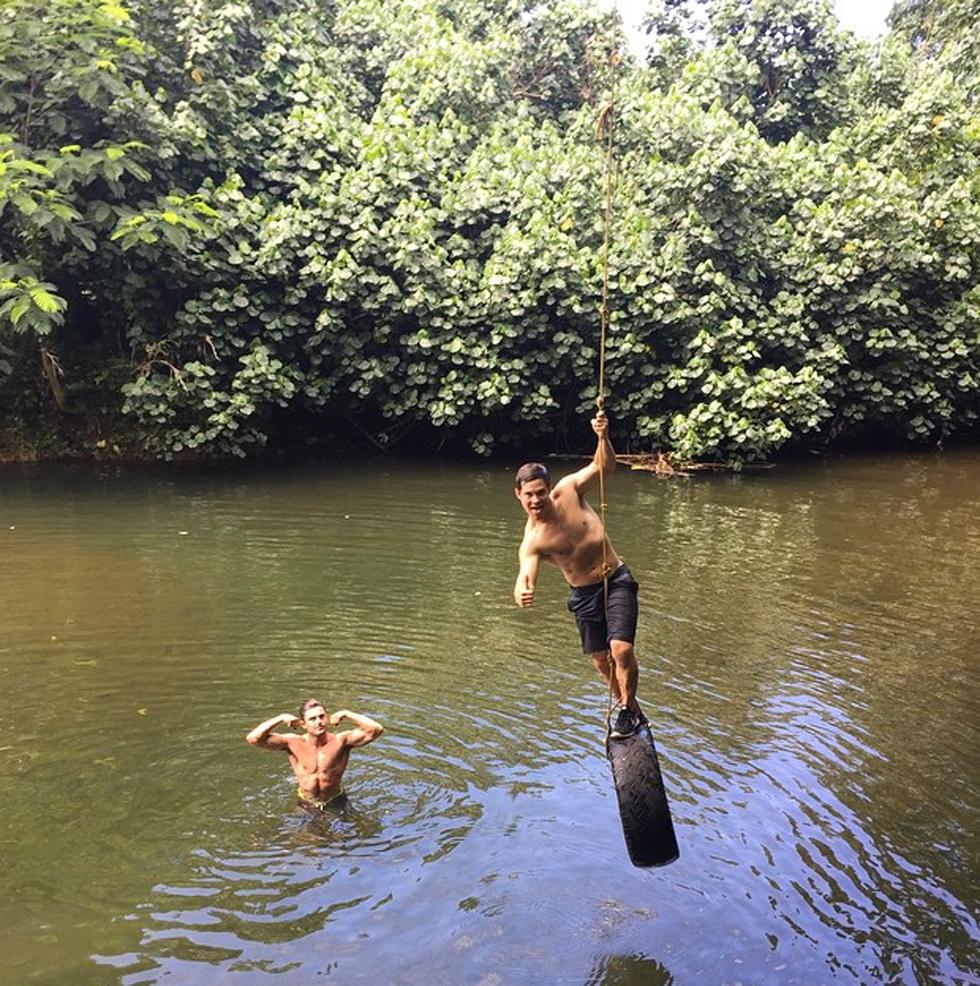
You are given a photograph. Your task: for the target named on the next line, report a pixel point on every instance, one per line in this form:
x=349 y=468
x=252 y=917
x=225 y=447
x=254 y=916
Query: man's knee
x=622 y=652
x=600 y=659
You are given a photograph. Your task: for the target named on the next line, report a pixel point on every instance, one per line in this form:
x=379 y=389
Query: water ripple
x=808 y=666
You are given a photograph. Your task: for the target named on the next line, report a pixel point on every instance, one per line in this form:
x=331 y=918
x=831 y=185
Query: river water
x=808 y=642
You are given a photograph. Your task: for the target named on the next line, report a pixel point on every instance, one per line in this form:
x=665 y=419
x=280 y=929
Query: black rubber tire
x=643 y=807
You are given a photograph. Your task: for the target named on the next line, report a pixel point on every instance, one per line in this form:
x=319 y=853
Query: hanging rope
x=605 y=131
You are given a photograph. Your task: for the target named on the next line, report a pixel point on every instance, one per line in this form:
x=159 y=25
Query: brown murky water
x=809 y=643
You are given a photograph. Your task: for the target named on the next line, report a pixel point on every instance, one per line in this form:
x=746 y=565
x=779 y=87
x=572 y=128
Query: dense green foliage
x=230 y=223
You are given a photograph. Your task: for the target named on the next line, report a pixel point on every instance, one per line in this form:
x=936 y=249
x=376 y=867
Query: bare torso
x=319 y=769
x=572 y=539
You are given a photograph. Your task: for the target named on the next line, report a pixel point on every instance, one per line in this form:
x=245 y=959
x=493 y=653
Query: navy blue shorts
x=600 y=620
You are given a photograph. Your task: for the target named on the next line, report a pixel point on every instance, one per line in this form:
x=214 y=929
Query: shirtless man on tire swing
x=563 y=529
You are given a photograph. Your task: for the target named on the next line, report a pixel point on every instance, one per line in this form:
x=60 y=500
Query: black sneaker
x=625 y=725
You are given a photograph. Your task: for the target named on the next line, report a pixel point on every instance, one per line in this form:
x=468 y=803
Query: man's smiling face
x=534 y=495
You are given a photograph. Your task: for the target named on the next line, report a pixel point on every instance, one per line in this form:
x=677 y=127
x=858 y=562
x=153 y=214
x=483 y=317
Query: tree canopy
x=229 y=225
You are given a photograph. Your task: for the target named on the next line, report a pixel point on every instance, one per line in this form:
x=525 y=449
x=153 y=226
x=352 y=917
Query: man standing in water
x=563 y=529
x=319 y=758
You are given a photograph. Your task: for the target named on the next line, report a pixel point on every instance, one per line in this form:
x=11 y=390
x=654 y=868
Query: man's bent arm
x=605 y=457
x=527 y=577
x=263 y=735
x=604 y=460
x=367 y=730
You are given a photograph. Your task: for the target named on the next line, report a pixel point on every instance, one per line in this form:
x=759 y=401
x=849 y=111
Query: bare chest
x=319 y=760
x=568 y=536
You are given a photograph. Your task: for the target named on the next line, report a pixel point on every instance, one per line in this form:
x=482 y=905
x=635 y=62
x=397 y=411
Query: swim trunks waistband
x=317 y=803
x=615 y=573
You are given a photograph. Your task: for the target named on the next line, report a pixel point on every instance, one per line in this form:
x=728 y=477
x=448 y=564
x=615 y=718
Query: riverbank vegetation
x=230 y=226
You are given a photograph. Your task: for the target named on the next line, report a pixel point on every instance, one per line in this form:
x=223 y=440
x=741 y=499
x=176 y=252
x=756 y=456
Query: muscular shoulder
x=343 y=741
x=566 y=495
x=565 y=487
x=294 y=744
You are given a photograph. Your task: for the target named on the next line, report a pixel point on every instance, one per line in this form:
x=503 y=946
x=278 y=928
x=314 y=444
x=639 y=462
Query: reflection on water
x=808 y=648
x=629 y=970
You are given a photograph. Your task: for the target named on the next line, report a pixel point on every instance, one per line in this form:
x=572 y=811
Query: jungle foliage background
x=229 y=226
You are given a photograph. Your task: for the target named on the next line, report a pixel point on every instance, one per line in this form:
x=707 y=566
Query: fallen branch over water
x=664 y=464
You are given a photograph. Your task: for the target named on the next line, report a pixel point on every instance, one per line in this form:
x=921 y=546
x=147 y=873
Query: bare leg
x=627 y=673
x=604 y=666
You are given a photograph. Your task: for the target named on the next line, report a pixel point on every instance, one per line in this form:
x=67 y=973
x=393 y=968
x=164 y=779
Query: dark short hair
x=529 y=471
x=310 y=703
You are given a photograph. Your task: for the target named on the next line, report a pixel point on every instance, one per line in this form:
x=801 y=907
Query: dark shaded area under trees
x=234 y=227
